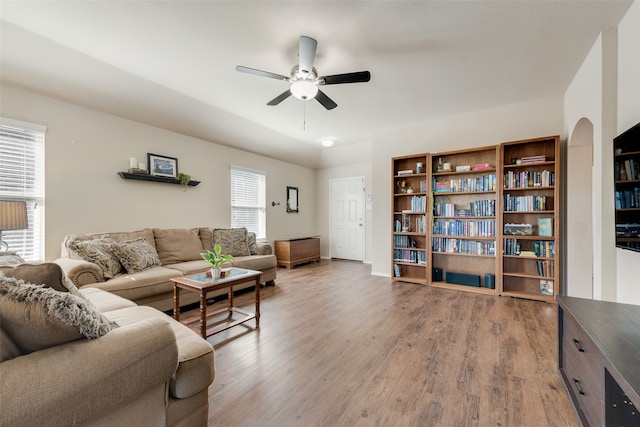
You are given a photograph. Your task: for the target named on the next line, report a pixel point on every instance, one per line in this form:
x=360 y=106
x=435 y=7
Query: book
x=546 y=287
x=545 y=227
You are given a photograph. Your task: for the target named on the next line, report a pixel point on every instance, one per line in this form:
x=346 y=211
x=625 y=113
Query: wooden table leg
x=257 y=302
x=176 y=302
x=230 y=296
x=203 y=314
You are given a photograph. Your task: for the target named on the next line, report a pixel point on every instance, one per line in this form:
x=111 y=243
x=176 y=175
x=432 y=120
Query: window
x=248 y=195
x=22 y=179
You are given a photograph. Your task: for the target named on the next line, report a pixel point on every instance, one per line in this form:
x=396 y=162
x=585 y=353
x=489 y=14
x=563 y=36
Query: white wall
x=605 y=90
x=532 y=119
x=84 y=149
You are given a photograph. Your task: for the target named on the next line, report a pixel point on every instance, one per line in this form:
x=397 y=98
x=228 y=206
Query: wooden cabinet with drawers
x=598 y=359
x=292 y=252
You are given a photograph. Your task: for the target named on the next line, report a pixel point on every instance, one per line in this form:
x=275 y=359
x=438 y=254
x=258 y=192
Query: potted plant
x=183 y=179
x=216 y=258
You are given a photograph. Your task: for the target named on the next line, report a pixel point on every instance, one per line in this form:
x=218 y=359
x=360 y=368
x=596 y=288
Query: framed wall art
x=162 y=165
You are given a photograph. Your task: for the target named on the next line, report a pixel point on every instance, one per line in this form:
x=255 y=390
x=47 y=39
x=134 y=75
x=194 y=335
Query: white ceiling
x=171 y=64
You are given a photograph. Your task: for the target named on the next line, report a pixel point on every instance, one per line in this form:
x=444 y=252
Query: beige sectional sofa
x=139 y=265
x=88 y=357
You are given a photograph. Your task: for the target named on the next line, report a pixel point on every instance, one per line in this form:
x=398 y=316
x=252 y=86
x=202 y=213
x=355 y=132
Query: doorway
x=347 y=218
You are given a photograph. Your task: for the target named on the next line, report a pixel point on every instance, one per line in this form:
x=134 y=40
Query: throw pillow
x=252 y=243
x=37 y=317
x=136 y=255
x=177 y=245
x=47 y=274
x=100 y=252
x=233 y=241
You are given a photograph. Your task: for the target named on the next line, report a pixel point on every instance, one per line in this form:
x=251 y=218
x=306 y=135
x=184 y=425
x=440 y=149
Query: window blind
x=22 y=179
x=248 y=200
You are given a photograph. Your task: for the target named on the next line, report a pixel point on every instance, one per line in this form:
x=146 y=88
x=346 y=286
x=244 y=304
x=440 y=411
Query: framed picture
x=292 y=199
x=162 y=165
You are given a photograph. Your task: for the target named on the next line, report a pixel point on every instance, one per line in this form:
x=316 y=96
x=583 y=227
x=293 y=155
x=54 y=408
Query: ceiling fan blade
x=325 y=100
x=278 y=99
x=261 y=73
x=357 y=77
x=306 y=53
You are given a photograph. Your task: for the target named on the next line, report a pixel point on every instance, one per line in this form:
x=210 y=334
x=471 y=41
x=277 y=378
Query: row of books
x=420 y=225
x=410 y=256
x=628 y=199
x=468 y=247
x=403 y=242
x=476 y=208
x=418 y=204
x=629 y=170
x=541 y=248
x=477 y=228
x=525 y=203
x=526 y=179
x=533 y=159
x=463 y=185
x=545 y=268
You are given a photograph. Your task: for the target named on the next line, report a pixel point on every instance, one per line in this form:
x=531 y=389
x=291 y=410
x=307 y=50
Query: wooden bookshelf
x=464 y=225
x=627 y=188
x=410 y=227
x=530 y=196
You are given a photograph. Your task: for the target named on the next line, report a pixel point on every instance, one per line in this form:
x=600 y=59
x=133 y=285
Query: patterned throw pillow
x=100 y=252
x=48 y=274
x=37 y=317
x=233 y=241
x=136 y=255
x=252 y=243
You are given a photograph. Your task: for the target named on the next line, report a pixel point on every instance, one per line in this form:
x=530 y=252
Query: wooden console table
x=292 y=252
x=599 y=359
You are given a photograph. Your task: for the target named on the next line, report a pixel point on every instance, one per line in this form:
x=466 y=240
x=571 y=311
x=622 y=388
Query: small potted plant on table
x=216 y=258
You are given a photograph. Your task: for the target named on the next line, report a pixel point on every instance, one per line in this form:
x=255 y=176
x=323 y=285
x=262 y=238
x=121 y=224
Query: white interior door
x=347 y=218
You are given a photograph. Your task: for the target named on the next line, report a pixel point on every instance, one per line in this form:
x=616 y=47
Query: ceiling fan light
x=304 y=89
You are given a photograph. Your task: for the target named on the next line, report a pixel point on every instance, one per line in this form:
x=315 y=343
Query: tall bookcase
x=627 y=188
x=410 y=228
x=464 y=224
x=530 y=202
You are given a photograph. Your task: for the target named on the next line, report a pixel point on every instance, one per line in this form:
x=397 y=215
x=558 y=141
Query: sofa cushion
x=255 y=262
x=136 y=255
x=196 y=365
x=37 y=317
x=47 y=274
x=145 y=284
x=233 y=241
x=100 y=252
x=190 y=267
x=105 y=301
x=252 y=243
x=177 y=245
x=8 y=349
x=206 y=237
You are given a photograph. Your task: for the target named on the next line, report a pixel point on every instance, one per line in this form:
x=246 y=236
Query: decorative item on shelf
x=133 y=163
x=409 y=190
x=440 y=166
x=482 y=166
x=464 y=168
x=406 y=218
x=216 y=258
x=402 y=185
x=419 y=167
x=138 y=171
x=446 y=167
x=13 y=216
x=184 y=179
x=405 y=172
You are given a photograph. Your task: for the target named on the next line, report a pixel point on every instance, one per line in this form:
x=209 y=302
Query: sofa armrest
x=264 y=247
x=84 y=380
x=80 y=272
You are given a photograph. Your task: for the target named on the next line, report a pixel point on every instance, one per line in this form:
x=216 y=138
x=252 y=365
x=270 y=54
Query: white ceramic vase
x=215 y=272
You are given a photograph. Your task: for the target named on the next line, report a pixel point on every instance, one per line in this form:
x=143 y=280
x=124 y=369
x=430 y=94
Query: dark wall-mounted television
x=626 y=158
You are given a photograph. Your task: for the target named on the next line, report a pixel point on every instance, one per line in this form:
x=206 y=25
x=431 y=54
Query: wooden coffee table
x=203 y=284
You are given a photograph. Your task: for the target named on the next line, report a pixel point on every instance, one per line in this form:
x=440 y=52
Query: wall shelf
x=153 y=178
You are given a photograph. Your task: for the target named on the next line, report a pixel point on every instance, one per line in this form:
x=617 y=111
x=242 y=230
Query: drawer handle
x=578 y=345
x=578 y=386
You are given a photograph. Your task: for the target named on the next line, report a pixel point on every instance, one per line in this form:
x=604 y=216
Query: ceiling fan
x=304 y=77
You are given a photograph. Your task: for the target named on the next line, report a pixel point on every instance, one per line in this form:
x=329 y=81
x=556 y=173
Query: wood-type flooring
x=340 y=347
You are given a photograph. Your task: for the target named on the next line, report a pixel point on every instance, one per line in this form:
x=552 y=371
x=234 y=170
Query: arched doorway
x=579 y=211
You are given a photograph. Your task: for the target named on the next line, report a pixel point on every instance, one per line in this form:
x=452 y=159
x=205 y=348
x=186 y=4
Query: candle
x=133 y=162
x=141 y=166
